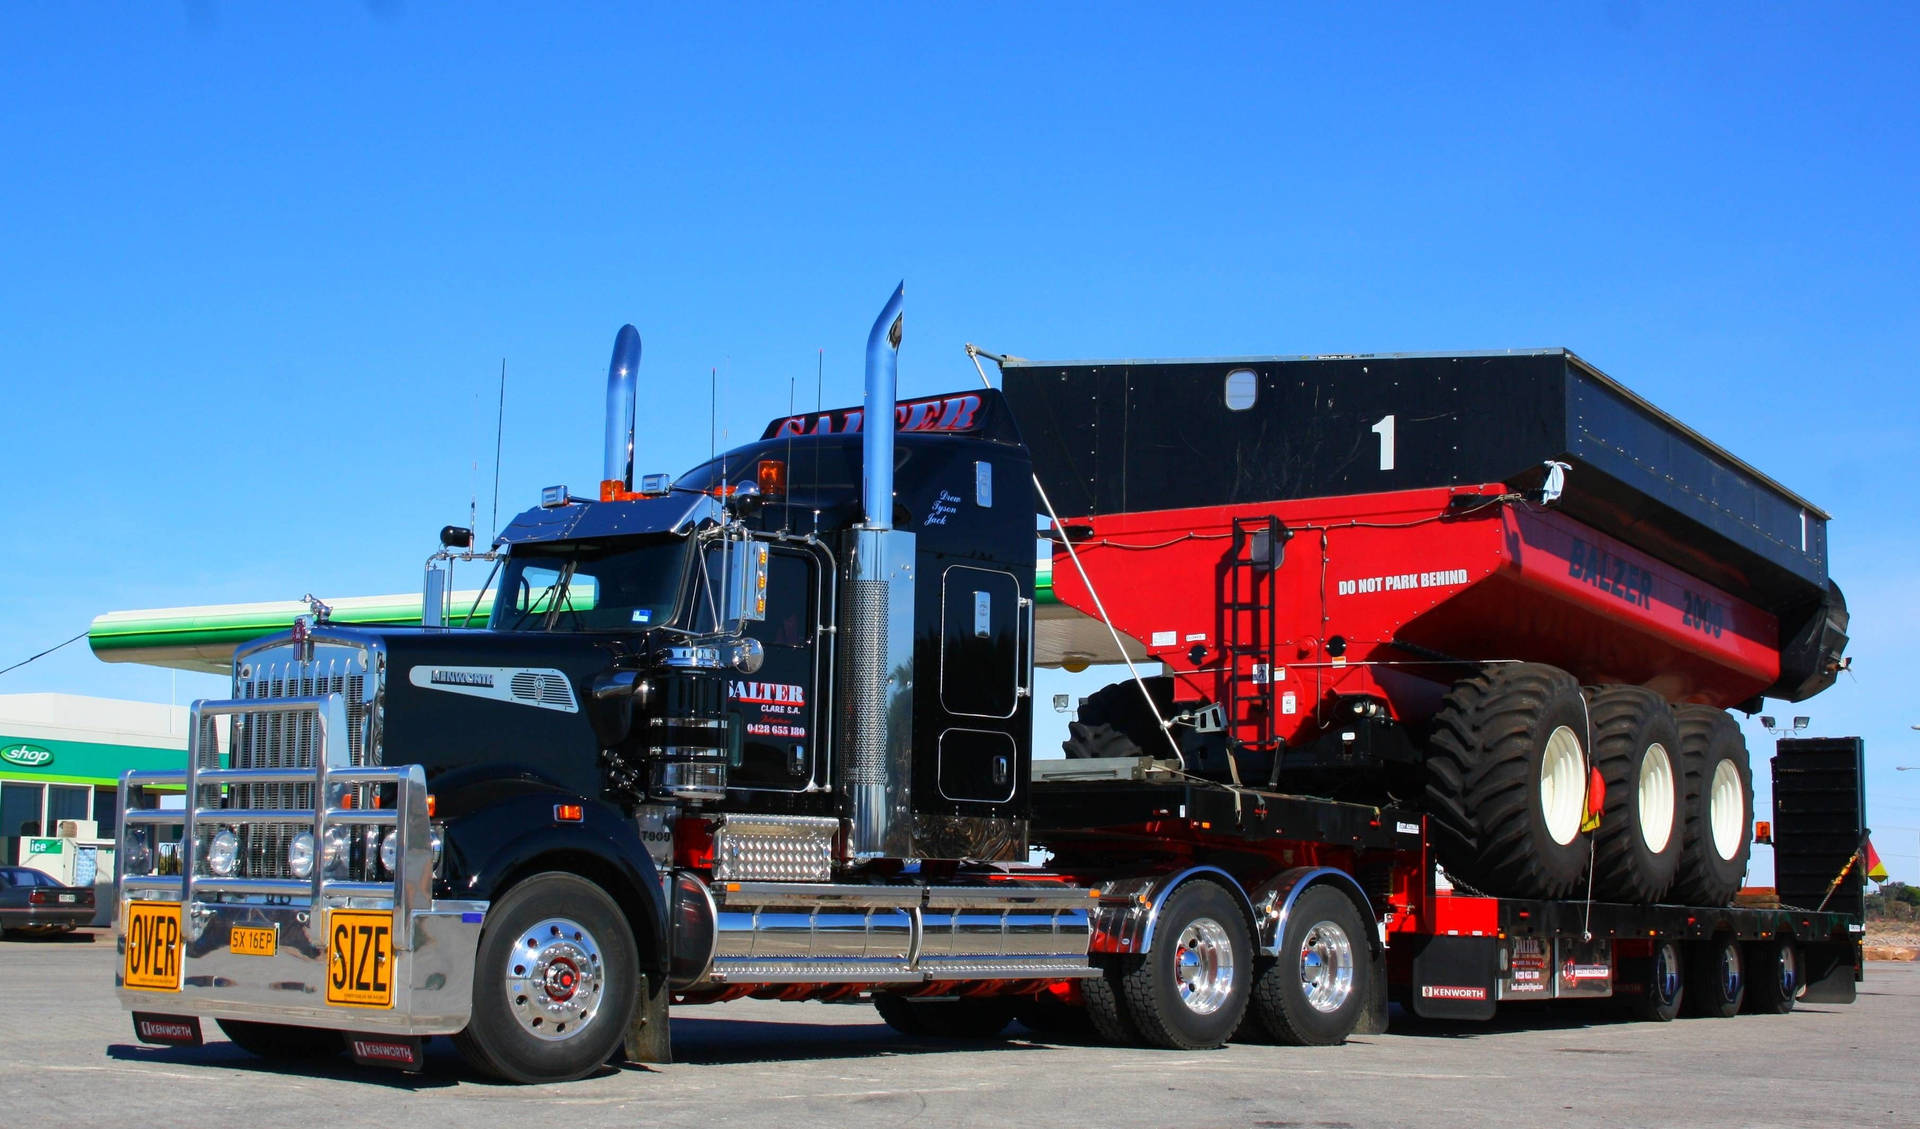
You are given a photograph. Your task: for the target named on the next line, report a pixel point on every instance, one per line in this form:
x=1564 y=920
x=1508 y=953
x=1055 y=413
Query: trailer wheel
x=1716 y=978
x=1191 y=990
x=281 y=1041
x=1665 y=985
x=553 y=984
x=1775 y=976
x=944 y=1019
x=1636 y=747
x=1507 y=781
x=1315 y=993
x=1115 y=721
x=1716 y=805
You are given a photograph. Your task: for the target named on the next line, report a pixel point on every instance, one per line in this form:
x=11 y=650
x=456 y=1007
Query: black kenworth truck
x=765 y=729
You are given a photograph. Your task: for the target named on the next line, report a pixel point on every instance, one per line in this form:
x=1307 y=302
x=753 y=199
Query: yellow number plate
x=360 y=958
x=150 y=933
x=253 y=941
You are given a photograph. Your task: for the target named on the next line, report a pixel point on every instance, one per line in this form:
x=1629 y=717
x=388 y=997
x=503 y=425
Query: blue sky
x=259 y=266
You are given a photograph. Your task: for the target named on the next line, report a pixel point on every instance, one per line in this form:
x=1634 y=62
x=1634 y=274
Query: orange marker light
x=568 y=813
x=773 y=478
x=430 y=805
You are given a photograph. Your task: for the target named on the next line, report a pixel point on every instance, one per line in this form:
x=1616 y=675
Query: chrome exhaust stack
x=883 y=379
x=616 y=477
x=876 y=707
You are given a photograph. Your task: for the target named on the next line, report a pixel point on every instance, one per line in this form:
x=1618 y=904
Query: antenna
x=819 y=382
x=713 y=411
x=786 y=503
x=499 y=426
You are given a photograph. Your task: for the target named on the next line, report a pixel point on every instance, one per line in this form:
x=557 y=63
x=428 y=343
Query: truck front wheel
x=1313 y=996
x=554 y=982
x=1191 y=990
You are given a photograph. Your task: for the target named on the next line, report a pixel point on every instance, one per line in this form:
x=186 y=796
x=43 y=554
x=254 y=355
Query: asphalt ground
x=68 y=1057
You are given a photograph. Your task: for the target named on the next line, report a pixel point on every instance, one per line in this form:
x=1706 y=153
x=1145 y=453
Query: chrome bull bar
x=433 y=942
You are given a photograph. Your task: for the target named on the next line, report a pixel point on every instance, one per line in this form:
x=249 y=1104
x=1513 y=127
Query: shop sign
x=27 y=756
x=46 y=846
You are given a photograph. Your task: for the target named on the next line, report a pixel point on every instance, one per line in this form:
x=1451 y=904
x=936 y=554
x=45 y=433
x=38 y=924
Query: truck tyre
x=1315 y=993
x=554 y=982
x=281 y=1041
x=1636 y=748
x=1115 y=721
x=1774 y=976
x=944 y=1019
x=1665 y=985
x=1190 y=991
x=1716 y=808
x=1506 y=781
x=1716 y=978
x=1105 y=1012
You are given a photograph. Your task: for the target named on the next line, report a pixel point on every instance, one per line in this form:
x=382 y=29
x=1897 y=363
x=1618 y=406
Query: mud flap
x=648 y=1039
x=1830 y=972
x=400 y=1052
x=1373 y=1013
x=1455 y=977
x=167 y=1030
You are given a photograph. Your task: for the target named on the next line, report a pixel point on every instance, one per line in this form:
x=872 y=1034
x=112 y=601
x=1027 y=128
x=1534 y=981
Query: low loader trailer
x=1440 y=734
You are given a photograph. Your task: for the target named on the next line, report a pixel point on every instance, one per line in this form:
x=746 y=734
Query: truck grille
x=280 y=741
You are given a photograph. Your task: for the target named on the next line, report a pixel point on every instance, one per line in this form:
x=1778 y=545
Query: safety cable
x=45 y=653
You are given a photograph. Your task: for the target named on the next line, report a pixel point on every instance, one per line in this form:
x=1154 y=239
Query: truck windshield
x=593 y=588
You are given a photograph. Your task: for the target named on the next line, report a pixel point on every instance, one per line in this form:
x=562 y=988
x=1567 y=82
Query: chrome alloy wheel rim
x=1326 y=966
x=1203 y=966
x=555 y=978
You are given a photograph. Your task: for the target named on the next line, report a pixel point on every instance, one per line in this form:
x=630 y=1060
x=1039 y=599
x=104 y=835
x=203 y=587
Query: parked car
x=33 y=902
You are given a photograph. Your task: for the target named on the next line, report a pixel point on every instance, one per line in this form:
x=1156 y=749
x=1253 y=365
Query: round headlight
x=139 y=858
x=300 y=855
x=333 y=852
x=223 y=850
x=390 y=850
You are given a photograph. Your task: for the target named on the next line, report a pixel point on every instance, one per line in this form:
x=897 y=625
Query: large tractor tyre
x=1116 y=721
x=1506 y=783
x=1716 y=978
x=1190 y=992
x=1636 y=748
x=1774 y=976
x=945 y=1019
x=1716 y=808
x=281 y=1041
x=554 y=983
x=1315 y=993
x=1106 y=1010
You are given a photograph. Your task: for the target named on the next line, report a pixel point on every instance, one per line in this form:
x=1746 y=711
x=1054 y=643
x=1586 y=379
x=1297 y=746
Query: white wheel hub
x=1726 y=810
x=1563 y=785
x=1656 y=797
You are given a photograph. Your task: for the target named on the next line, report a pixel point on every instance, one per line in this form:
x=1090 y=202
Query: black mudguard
x=501 y=825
